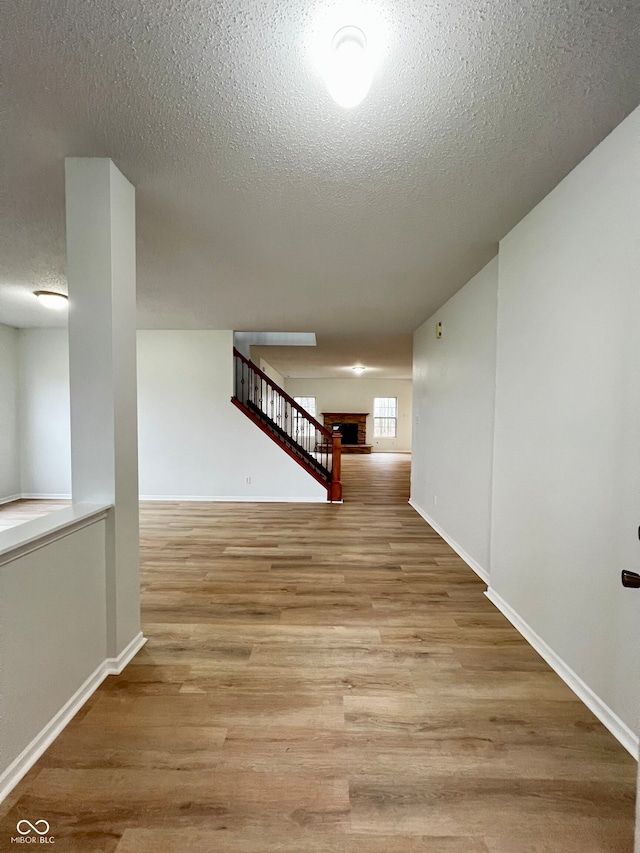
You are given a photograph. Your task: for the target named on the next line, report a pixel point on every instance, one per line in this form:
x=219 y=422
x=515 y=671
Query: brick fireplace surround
x=359 y=418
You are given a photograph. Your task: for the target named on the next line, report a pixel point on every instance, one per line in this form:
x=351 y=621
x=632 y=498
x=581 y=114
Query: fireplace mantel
x=359 y=418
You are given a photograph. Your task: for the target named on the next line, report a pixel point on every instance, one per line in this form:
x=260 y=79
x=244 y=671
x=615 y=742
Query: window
x=385 y=417
x=301 y=424
x=308 y=404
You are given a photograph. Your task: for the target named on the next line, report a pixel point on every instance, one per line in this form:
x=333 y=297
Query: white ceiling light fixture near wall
x=52 y=299
x=349 y=68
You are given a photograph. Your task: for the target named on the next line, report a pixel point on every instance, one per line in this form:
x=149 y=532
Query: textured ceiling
x=384 y=356
x=263 y=205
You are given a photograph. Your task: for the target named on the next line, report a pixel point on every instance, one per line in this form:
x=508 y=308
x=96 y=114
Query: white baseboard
x=231 y=499
x=10 y=499
x=29 y=496
x=619 y=729
x=473 y=564
x=114 y=666
x=28 y=757
x=43 y=740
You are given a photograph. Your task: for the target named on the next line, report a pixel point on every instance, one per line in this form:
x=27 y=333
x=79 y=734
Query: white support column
x=102 y=358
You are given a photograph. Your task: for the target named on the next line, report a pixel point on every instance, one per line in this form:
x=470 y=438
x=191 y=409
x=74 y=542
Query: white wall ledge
x=31 y=535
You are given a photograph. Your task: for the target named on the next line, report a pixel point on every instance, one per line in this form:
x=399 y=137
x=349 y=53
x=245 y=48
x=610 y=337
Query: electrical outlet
x=435 y=500
x=247 y=481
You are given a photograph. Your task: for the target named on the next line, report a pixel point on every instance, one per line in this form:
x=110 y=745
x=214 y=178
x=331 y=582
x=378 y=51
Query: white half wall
x=194 y=444
x=453 y=408
x=53 y=622
x=566 y=501
x=10 y=485
x=45 y=443
x=54 y=615
x=356 y=395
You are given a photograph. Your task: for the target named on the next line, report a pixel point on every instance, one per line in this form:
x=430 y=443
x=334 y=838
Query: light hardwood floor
x=326 y=679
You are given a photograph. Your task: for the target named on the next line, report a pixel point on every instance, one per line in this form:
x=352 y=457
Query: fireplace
x=353 y=427
x=349 y=432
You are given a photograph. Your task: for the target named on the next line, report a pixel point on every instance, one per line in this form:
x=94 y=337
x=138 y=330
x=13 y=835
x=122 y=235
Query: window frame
x=385 y=426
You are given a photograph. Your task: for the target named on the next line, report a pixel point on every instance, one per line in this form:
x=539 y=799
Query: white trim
x=231 y=499
x=43 y=740
x=10 y=499
x=619 y=729
x=114 y=666
x=473 y=564
x=39 y=496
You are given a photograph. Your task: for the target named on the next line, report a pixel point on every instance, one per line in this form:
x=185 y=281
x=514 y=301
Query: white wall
x=566 y=427
x=356 y=395
x=193 y=441
x=567 y=436
x=45 y=450
x=271 y=372
x=9 y=442
x=453 y=407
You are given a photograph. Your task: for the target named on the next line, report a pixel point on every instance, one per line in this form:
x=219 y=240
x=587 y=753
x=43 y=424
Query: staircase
x=302 y=437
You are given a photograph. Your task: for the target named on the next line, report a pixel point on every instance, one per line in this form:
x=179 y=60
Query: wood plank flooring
x=326 y=679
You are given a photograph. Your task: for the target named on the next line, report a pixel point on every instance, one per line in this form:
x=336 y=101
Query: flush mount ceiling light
x=349 y=68
x=358 y=370
x=51 y=298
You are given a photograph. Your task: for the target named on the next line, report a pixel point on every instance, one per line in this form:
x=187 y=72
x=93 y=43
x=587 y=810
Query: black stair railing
x=300 y=434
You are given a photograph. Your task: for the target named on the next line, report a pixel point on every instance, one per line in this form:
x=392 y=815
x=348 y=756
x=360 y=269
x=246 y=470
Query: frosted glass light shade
x=51 y=299
x=349 y=71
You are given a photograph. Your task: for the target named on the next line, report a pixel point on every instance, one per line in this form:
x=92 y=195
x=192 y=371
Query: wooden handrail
x=308 y=468
x=326 y=432
x=317 y=450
